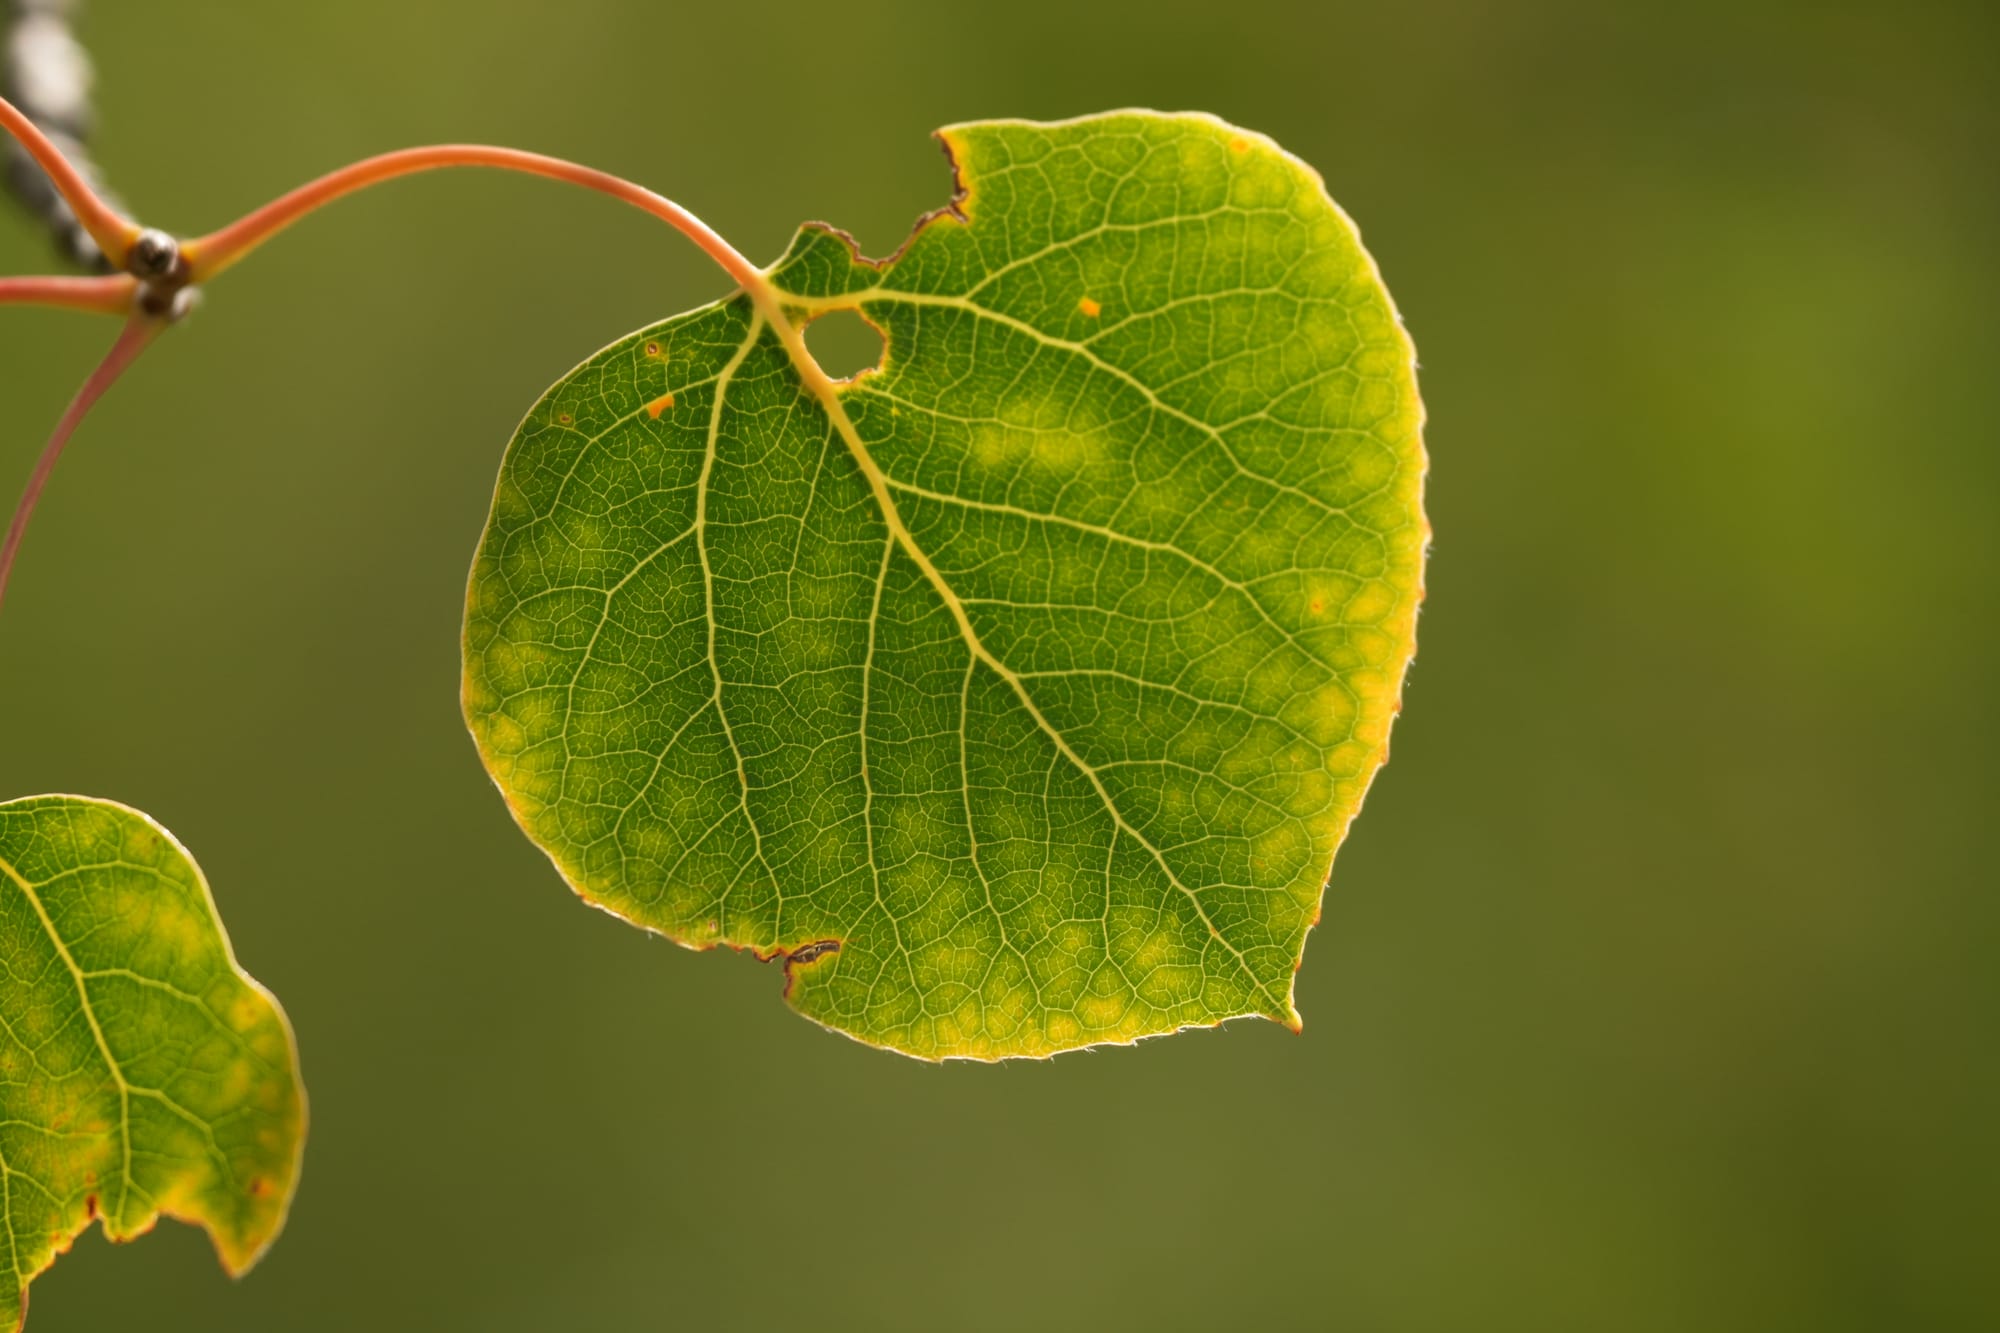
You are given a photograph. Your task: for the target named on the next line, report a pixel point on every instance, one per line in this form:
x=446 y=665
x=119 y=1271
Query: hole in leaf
x=844 y=344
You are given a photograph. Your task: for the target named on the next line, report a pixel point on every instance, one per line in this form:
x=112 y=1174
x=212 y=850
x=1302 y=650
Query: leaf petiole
x=162 y=273
x=219 y=250
x=210 y=255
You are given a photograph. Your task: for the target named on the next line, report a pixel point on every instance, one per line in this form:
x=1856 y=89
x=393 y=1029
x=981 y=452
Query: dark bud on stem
x=155 y=260
x=154 y=255
x=171 y=304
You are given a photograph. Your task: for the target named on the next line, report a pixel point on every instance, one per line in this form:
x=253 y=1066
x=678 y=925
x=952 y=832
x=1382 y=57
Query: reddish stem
x=104 y=296
x=139 y=331
x=113 y=232
x=217 y=251
x=210 y=255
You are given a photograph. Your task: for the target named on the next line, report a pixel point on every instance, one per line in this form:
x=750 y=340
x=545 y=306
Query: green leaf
x=141 y=1071
x=1021 y=703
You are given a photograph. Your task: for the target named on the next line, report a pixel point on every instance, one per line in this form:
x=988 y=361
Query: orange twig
x=217 y=251
x=113 y=233
x=104 y=296
x=139 y=331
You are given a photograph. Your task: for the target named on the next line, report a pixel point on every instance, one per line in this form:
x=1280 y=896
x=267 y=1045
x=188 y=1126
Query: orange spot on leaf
x=1239 y=145
x=659 y=405
x=1090 y=307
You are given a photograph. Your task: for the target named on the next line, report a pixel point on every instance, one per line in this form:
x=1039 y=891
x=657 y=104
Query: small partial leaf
x=1021 y=703
x=141 y=1071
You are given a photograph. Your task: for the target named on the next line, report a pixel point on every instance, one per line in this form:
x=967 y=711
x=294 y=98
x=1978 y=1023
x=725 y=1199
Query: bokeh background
x=1657 y=986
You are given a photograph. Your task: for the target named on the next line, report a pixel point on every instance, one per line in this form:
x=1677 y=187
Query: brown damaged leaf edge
x=799 y=955
x=959 y=210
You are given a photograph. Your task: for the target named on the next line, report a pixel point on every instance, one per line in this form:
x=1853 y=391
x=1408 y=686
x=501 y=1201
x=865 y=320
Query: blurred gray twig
x=47 y=74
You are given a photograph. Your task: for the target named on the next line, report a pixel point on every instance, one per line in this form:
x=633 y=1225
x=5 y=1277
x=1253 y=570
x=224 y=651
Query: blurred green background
x=1657 y=987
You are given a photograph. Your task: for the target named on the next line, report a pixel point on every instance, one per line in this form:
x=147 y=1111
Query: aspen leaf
x=1021 y=703
x=142 y=1072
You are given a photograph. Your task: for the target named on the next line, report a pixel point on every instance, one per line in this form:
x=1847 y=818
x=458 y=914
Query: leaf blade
x=1085 y=877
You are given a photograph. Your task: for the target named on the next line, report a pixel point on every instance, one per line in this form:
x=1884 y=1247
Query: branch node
x=166 y=290
x=155 y=255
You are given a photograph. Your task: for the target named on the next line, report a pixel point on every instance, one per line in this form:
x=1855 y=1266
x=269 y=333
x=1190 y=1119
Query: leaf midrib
x=126 y=1183
x=770 y=302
